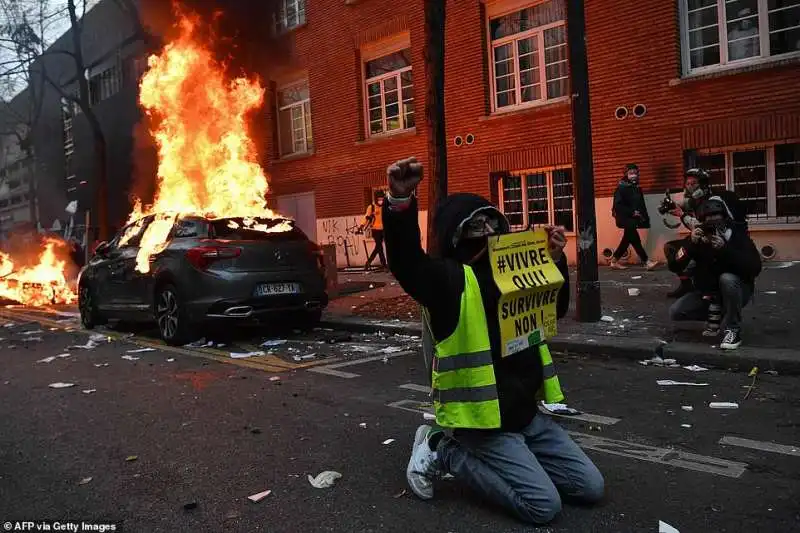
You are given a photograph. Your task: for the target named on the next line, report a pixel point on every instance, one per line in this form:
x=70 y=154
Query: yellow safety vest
x=463 y=382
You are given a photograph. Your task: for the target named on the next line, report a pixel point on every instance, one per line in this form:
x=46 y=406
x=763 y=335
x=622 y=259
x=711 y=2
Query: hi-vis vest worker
x=463 y=380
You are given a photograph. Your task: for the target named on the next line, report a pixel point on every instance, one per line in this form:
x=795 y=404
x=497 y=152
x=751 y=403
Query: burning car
x=204 y=269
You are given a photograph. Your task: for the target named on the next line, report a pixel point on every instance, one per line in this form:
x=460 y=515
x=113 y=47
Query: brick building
x=664 y=94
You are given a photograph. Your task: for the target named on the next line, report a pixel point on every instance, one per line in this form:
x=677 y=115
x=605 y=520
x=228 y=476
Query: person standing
x=501 y=446
x=630 y=214
x=373 y=220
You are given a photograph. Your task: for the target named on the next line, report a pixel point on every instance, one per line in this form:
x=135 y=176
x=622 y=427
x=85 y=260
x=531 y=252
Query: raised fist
x=404 y=176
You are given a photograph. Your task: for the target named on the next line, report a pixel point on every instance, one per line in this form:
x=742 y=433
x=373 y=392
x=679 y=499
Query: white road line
x=760 y=445
x=585 y=417
x=331 y=370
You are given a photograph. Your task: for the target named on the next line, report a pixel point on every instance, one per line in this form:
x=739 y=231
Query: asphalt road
x=211 y=433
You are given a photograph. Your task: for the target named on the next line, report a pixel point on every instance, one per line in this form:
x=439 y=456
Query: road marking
x=667 y=456
x=331 y=370
x=415 y=387
x=642 y=452
x=760 y=445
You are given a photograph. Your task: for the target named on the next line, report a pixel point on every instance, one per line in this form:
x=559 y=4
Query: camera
x=667 y=204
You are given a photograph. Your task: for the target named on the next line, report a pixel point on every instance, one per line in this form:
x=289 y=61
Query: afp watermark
x=57 y=525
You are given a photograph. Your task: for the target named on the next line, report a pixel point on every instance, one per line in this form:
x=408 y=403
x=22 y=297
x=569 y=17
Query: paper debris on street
x=634 y=292
x=31 y=332
x=32 y=339
x=667 y=382
x=723 y=405
x=100 y=365
x=90 y=345
x=199 y=344
x=130 y=358
x=60 y=385
x=363 y=425
x=88 y=391
x=686 y=425
x=606 y=318
x=663 y=527
x=131 y=458
x=560 y=409
x=64 y=355
x=695 y=368
x=391 y=349
x=687 y=408
x=171 y=360
x=141 y=350
x=99 y=337
x=324 y=479
x=255 y=498
x=245 y=355
x=274 y=342
x=636 y=277
x=84 y=481
x=388 y=441
x=47 y=359
x=429 y=416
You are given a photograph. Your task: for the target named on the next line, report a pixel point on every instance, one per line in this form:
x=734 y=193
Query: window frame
x=539 y=33
x=548 y=172
x=771 y=216
x=722 y=23
x=397 y=74
x=306 y=120
x=281 y=18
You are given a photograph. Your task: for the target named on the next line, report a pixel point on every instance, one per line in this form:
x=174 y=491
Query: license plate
x=269 y=289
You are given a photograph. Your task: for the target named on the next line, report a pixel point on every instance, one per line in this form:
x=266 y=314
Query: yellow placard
x=529 y=282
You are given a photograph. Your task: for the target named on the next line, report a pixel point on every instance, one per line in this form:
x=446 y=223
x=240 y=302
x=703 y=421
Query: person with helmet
x=696 y=189
x=630 y=214
x=501 y=446
x=373 y=220
x=727 y=264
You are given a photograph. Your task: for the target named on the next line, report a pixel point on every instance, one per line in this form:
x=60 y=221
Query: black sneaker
x=731 y=340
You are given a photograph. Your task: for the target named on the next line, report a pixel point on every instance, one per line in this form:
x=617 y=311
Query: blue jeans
x=525 y=472
x=735 y=295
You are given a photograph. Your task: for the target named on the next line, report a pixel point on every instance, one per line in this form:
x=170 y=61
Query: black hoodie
x=438 y=283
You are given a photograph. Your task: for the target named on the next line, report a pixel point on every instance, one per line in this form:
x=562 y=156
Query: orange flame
x=208 y=164
x=41 y=284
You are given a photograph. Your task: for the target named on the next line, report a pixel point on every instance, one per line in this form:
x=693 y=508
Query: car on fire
x=207 y=270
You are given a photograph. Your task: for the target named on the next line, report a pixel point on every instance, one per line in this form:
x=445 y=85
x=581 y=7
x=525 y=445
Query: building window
x=294 y=119
x=529 y=56
x=732 y=32
x=538 y=197
x=292 y=14
x=105 y=84
x=389 y=83
x=767 y=180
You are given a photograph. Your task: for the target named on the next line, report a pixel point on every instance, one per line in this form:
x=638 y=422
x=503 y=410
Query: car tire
x=87 y=306
x=173 y=324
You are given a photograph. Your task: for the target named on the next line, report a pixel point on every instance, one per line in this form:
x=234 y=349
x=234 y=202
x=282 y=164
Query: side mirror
x=102 y=248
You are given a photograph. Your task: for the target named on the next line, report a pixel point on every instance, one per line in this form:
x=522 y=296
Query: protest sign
x=529 y=282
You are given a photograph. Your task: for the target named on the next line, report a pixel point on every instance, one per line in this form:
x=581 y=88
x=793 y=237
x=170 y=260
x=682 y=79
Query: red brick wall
x=634 y=57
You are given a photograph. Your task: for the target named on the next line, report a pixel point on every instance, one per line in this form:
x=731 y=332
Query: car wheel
x=171 y=317
x=87 y=306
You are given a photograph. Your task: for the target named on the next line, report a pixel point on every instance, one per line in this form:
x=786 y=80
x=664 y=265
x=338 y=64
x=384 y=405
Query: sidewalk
x=641 y=326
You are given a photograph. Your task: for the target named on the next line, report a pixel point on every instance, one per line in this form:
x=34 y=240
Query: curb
x=782 y=360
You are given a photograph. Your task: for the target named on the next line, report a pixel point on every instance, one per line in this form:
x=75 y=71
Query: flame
x=41 y=284
x=207 y=162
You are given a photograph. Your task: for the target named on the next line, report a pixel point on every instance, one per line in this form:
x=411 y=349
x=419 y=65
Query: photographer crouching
x=727 y=264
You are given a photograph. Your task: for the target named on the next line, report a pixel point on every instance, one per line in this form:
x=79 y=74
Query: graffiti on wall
x=352 y=246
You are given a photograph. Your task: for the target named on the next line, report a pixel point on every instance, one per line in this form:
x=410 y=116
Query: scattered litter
x=665 y=382
x=770 y=292
x=687 y=408
x=31 y=332
x=32 y=339
x=60 y=385
x=686 y=425
x=99 y=337
x=606 y=318
x=400 y=494
x=100 y=365
x=634 y=292
x=275 y=342
x=245 y=355
x=723 y=405
x=68 y=314
x=255 y=498
x=275 y=378
x=388 y=441
x=190 y=506
x=560 y=409
x=640 y=317
x=363 y=425
x=221 y=345
x=10 y=325
x=391 y=349
x=84 y=481
x=385 y=360
x=771 y=372
x=47 y=359
x=695 y=368
x=131 y=458
x=64 y=355
x=371 y=286
x=199 y=344
x=130 y=358
x=636 y=277
x=90 y=345
x=88 y=391
x=171 y=360
x=663 y=527
x=324 y=479
x=429 y=416
x=304 y=357
x=141 y=350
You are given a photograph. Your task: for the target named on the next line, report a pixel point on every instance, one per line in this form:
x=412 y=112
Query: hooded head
x=463 y=224
x=714 y=215
x=697 y=185
x=631 y=173
x=379 y=197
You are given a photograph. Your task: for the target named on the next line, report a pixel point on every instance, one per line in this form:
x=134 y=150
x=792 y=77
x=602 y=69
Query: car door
x=123 y=274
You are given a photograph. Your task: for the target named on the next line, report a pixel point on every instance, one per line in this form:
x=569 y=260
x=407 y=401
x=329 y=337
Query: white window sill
x=386 y=136
x=526 y=108
x=285 y=31
x=737 y=68
x=293 y=157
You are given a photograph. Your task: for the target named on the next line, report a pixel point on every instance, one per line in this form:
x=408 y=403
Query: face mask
x=471 y=250
x=698 y=193
x=379 y=201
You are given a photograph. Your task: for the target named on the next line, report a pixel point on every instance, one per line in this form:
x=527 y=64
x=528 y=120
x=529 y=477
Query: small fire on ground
x=207 y=161
x=42 y=283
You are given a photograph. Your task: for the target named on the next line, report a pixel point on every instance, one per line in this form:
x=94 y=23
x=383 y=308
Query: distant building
x=17 y=173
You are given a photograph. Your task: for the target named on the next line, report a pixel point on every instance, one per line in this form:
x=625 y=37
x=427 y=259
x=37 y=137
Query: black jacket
x=629 y=198
x=438 y=283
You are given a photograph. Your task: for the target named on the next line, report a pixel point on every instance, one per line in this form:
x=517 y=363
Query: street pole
x=588 y=298
x=87 y=221
x=434 y=111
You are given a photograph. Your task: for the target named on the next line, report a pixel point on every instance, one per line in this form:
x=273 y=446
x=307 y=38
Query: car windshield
x=240 y=228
